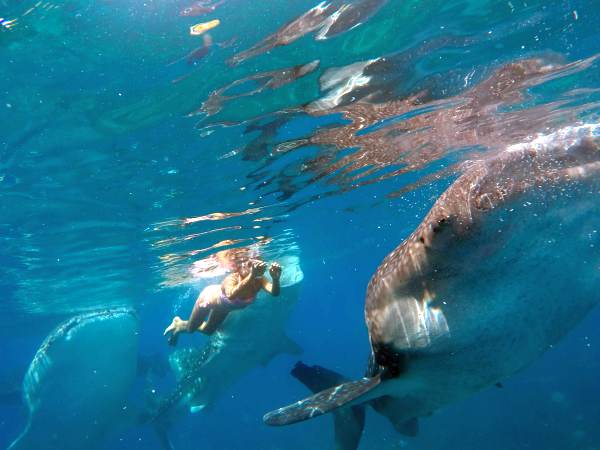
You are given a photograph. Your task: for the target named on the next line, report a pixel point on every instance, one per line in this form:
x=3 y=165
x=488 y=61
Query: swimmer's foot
x=173 y=330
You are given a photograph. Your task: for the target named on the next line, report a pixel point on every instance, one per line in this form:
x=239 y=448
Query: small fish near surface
x=200 y=28
x=506 y=262
x=7 y=23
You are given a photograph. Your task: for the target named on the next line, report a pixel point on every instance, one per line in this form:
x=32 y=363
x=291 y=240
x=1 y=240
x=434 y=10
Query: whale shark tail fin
x=346 y=394
x=348 y=422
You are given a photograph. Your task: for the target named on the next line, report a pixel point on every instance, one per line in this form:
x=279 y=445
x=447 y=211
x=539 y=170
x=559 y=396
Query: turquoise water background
x=114 y=182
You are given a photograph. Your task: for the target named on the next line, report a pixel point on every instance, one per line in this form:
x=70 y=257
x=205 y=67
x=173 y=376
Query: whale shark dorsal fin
x=323 y=402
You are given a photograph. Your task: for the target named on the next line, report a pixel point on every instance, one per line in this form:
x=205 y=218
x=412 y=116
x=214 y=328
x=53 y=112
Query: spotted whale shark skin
x=506 y=262
x=77 y=383
x=249 y=338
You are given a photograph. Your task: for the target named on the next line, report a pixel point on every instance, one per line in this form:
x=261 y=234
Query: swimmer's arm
x=234 y=284
x=272 y=288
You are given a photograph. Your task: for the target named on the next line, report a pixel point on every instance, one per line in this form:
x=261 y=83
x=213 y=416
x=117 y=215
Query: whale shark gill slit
x=322 y=402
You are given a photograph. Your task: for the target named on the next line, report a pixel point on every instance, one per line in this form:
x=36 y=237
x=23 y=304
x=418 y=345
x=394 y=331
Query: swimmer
x=215 y=302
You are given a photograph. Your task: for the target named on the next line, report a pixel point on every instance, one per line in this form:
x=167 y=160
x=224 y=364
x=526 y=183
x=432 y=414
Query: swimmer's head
x=236 y=259
x=246 y=267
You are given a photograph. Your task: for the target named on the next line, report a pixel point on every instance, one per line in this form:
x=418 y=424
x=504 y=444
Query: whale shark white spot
x=197 y=408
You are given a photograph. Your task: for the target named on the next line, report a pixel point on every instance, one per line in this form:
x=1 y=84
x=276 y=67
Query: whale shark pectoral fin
x=325 y=401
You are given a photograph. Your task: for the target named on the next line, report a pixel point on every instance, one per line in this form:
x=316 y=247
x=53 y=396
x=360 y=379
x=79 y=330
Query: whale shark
x=10 y=387
x=246 y=340
x=505 y=263
x=76 y=385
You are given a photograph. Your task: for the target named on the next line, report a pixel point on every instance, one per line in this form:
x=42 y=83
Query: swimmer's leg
x=214 y=320
x=177 y=326
x=198 y=315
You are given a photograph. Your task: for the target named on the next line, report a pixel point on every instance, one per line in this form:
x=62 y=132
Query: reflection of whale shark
x=249 y=338
x=504 y=265
x=77 y=383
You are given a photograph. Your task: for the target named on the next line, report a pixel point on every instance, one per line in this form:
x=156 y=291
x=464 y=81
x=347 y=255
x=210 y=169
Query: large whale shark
x=248 y=339
x=77 y=383
x=505 y=263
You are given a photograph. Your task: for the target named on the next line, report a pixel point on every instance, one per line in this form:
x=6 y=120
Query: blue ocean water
x=132 y=152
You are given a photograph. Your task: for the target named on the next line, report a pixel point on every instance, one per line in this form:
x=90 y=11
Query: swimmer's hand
x=275 y=271
x=258 y=269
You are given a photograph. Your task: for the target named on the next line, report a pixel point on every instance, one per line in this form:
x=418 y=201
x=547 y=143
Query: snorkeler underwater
x=290 y=225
